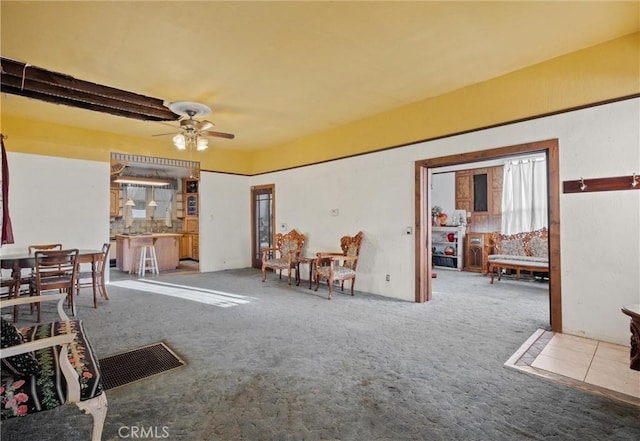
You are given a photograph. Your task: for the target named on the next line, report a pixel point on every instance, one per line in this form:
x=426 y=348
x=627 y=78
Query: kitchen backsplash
x=144 y=226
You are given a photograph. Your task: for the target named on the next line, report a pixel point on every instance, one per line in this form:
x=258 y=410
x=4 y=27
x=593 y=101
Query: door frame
x=423 y=255
x=254 y=239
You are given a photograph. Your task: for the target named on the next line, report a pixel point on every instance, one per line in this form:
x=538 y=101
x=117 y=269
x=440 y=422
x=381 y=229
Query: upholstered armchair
x=339 y=266
x=285 y=255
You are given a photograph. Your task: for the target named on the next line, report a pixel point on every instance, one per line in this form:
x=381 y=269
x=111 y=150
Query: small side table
x=311 y=261
x=633 y=311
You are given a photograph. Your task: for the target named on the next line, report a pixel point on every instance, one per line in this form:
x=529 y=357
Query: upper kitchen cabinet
x=114 y=201
x=190 y=197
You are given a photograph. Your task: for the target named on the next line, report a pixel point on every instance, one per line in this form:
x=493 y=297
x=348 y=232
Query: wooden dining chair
x=56 y=270
x=8 y=286
x=89 y=277
x=49 y=246
x=25 y=286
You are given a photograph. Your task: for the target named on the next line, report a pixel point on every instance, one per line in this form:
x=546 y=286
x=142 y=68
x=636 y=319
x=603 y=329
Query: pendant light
x=152 y=202
x=129 y=202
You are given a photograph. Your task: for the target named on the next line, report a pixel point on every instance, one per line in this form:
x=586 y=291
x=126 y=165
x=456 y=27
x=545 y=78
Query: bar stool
x=148 y=260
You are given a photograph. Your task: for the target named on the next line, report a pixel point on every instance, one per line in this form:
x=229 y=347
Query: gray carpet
x=291 y=365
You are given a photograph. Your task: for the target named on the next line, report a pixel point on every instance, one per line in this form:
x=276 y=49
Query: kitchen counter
x=167 y=250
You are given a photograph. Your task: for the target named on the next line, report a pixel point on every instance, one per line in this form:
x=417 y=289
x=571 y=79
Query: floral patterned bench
x=527 y=251
x=48 y=365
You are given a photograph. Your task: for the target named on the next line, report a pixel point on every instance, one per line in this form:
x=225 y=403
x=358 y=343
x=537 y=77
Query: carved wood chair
x=339 y=266
x=285 y=255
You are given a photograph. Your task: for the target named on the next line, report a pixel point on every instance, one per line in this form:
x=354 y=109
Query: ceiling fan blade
x=168 y=124
x=204 y=125
x=219 y=134
x=164 y=134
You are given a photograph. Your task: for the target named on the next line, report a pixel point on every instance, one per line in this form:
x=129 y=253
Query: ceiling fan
x=193 y=132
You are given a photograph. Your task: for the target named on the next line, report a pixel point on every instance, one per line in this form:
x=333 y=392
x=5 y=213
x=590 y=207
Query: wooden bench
x=527 y=251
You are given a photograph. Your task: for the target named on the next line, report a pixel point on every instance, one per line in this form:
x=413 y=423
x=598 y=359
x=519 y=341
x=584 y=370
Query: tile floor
x=591 y=365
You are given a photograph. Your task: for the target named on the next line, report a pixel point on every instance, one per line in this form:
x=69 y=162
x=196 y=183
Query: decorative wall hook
x=583 y=186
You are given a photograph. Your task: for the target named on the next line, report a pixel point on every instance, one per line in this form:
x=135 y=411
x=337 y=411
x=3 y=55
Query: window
x=141 y=196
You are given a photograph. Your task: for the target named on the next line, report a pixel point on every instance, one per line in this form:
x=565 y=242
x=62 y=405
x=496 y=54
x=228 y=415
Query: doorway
x=262 y=221
x=173 y=187
x=423 y=176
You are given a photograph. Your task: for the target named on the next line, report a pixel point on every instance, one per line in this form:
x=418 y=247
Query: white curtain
x=164 y=199
x=524 y=196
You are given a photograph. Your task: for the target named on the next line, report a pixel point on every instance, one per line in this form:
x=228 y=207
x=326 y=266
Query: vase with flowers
x=436 y=211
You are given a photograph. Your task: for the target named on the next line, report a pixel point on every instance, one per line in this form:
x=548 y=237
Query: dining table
x=16 y=261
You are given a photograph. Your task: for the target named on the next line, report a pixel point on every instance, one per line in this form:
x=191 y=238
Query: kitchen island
x=128 y=250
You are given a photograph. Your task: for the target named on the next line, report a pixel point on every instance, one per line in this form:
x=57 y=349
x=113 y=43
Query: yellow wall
x=607 y=71
x=36 y=137
x=603 y=72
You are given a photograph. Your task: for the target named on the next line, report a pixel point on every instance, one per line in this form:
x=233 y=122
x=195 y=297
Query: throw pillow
x=22 y=364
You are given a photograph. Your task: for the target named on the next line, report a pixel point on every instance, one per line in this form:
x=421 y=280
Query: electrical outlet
x=388 y=277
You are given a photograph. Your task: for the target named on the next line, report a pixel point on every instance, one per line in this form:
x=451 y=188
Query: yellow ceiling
x=274 y=72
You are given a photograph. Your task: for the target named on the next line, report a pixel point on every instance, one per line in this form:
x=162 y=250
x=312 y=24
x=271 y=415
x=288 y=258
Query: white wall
x=55 y=199
x=443 y=192
x=225 y=216
x=600 y=232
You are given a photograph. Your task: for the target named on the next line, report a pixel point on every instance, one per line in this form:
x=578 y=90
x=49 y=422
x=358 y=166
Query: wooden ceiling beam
x=33 y=82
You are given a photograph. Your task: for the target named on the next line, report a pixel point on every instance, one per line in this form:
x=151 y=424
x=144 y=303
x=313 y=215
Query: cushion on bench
x=22 y=395
x=493 y=258
x=528 y=251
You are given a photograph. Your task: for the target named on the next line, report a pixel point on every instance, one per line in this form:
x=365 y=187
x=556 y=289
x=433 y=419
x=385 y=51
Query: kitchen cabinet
x=186 y=246
x=114 y=201
x=190 y=197
x=191 y=226
x=195 y=247
x=189 y=248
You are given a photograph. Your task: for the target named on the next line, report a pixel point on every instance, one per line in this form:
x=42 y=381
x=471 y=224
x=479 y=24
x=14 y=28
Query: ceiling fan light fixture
x=202 y=144
x=193 y=133
x=180 y=141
